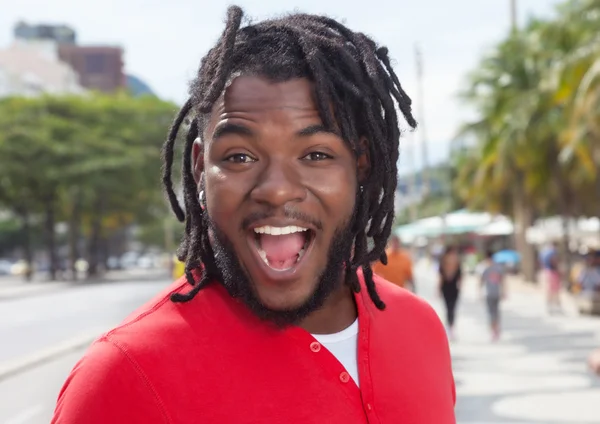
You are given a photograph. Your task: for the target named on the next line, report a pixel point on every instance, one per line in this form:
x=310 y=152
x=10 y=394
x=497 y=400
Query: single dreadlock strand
x=191 y=201
x=323 y=93
x=404 y=102
x=186 y=297
x=351 y=278
x=234 y=19
x=167 y=154
x=371 y=289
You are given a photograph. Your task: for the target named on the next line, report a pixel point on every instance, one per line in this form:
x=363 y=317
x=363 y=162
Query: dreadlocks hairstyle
x=350 y=72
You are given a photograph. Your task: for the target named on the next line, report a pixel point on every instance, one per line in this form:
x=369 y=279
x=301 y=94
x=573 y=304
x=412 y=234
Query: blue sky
x=165 y=40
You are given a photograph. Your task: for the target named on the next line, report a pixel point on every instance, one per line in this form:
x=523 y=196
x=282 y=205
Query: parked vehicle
x=5 y=267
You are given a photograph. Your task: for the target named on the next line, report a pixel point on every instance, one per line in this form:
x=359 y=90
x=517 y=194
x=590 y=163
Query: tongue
x=282 y=251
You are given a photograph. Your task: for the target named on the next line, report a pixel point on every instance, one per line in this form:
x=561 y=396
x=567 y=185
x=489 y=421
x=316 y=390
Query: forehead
x=258 y=94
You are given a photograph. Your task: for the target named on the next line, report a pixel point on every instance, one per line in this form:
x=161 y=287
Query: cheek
x=224 y=195
x=336 y=189
x=218 y=193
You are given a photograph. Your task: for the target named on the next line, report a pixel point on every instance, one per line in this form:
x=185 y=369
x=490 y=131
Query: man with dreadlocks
x=289 y=174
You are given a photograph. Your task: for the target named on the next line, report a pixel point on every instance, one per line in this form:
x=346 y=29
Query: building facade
x=99 y=68
x=95 y=67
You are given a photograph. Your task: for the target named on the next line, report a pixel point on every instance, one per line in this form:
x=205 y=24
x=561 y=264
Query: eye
x=240 y=158
x=317 y=156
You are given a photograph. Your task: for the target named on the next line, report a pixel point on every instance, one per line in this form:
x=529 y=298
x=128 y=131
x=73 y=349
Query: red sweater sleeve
x=107 y=386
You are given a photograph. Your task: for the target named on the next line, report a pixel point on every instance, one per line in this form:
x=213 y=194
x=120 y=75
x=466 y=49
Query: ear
x=198 y=160
x=363 y=161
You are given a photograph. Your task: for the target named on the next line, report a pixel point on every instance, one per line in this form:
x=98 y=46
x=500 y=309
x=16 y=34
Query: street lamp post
x=421 y=118
x=513 y=14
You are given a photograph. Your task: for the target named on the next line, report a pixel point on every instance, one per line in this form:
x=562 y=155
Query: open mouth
x=282 y=248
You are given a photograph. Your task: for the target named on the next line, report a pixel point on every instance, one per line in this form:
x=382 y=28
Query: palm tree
x=537 y=136
x=505 y=169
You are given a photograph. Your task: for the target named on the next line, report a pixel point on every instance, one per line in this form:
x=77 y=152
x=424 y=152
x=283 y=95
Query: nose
x=279 y=183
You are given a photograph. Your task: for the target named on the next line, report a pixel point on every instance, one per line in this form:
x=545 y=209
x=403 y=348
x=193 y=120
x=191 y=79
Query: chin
x=284 y=298
x=282 y=292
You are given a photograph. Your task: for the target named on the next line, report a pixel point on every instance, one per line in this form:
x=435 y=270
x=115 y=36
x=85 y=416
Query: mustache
x=289 y=214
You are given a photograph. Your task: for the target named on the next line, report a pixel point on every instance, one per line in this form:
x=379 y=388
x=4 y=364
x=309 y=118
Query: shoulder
x=106 y=385
x=168 y=322
x=124 y=369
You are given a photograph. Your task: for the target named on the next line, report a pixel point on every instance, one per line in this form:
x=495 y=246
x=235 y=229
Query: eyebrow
x=316 y=129
x=229 y=128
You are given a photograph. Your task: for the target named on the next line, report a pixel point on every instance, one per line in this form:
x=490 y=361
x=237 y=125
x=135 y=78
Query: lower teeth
x=300 y=254
x=263 y=255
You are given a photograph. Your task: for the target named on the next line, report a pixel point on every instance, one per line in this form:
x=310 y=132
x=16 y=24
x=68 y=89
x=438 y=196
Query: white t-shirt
x=344 y=346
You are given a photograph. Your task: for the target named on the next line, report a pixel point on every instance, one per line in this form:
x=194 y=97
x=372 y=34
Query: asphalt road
x=57 y=325
x=33 y=323
x=535 y=375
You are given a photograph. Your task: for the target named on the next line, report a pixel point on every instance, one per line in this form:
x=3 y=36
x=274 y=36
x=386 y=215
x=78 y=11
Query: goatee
x=238 y=284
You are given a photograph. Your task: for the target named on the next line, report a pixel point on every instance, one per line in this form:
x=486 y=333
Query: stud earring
x=201 y=199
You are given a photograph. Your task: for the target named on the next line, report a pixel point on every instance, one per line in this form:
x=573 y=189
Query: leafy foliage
x=95 y=156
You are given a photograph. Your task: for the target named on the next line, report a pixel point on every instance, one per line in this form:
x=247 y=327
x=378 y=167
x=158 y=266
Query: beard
x=239 y=285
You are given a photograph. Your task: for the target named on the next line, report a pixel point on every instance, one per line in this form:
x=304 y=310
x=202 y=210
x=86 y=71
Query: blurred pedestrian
x=493 y=282
x=594 y=361
x=551 y=278
x=399 y=268
x=450 y=278
x=589 y=277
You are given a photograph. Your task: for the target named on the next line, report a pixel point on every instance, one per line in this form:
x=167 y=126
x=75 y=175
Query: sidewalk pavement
x=516 y=284
x=536 y=373
x=15 y=287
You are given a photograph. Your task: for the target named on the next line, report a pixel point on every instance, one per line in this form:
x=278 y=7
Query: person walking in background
x=450 y=272
x=594 y=362
x=551 y=278
x=493 y=282
x=589 y=277
x=399 y=268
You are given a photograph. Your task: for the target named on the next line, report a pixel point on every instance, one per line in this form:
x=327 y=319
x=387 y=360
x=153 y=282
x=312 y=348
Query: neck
x=337 y=314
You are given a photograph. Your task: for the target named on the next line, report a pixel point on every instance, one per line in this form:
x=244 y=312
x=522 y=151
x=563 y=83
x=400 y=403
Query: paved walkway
x=536 y=374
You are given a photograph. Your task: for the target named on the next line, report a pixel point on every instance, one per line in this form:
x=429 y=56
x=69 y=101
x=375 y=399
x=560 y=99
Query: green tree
x=535 y=143
x=91 y=161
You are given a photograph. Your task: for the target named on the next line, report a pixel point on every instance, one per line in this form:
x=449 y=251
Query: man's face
x=280 y=191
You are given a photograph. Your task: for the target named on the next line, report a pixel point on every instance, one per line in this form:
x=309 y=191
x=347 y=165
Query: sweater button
x=344 y=377
x=369 y=407
x=315 y=347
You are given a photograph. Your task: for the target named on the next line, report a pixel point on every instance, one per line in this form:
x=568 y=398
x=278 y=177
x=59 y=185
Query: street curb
x=11 y=368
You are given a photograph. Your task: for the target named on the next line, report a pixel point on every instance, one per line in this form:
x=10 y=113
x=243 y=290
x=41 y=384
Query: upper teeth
x=277 y=231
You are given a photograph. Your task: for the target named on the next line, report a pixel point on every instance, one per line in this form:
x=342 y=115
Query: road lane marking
x=11 y=368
